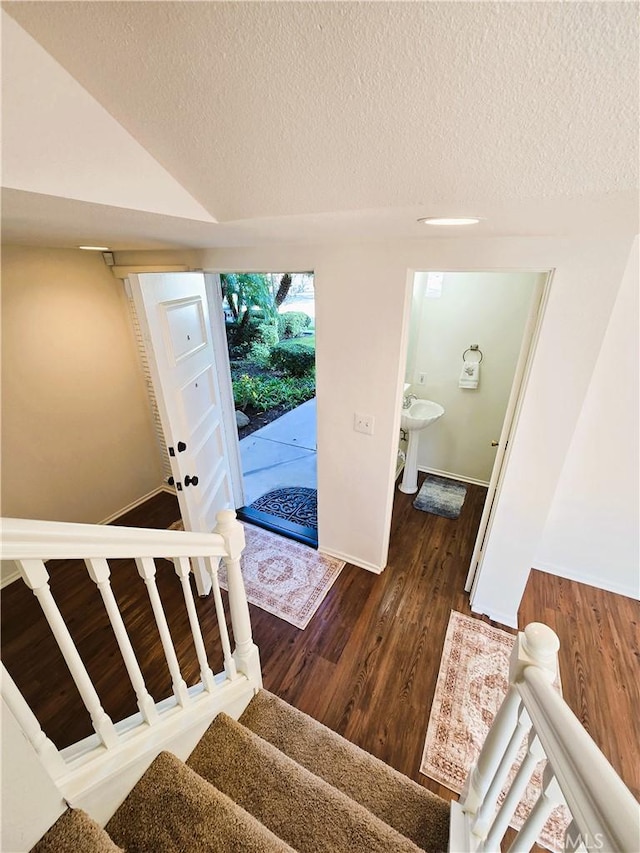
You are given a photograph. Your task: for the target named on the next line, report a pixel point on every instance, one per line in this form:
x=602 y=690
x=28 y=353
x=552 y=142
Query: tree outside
x=270 y=324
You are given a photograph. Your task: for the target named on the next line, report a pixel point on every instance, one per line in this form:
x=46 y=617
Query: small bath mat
x=441 y=496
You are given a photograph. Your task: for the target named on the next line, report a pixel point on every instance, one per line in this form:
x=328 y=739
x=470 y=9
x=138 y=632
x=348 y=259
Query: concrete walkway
x=281 y=454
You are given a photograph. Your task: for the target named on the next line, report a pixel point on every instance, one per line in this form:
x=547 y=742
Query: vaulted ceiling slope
x=269 y=109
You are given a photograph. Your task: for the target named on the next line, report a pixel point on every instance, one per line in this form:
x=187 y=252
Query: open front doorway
x=270 y=332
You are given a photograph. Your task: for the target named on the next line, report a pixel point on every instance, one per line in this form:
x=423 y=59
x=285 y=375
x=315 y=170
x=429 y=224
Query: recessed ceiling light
x=95 y=248
x=449 y=220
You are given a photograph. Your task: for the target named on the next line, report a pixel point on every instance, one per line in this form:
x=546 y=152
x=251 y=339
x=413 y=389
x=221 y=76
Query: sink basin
x=420 y=414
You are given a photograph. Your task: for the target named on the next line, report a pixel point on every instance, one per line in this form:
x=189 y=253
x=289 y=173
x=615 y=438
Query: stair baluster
x=533 y=755
x=46 y=749
x=550 y=797
x=147 y=571
x=183 y=569
x=229 y=663
x=36 y=577
x=99 y=572
x=537 y=646
x=484 y=817
x=246 y=652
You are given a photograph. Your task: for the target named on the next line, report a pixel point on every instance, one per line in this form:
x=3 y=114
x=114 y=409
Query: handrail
x=599 y=801
x=24 y=539
x=604 y=812
x=30 y=542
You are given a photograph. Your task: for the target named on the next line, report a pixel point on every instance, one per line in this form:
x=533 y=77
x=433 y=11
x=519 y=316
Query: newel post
x=537 y=646
x=246 y=652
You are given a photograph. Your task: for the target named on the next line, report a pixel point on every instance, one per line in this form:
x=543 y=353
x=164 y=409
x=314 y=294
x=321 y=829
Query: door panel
x=174 y=317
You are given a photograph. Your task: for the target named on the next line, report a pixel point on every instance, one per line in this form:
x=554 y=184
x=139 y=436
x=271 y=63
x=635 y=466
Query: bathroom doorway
x=470 y=336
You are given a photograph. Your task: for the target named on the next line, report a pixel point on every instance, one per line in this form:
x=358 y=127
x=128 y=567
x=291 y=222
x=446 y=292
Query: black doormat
x=297 y=504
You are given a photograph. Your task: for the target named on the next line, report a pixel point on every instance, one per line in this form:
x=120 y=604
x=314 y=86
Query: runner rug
x=472 y=682
x=283 y=577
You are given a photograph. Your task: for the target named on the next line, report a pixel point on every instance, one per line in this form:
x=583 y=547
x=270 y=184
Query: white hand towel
x=470 y=376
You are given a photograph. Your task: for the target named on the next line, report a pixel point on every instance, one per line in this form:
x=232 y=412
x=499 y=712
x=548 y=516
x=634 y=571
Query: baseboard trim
x=450 y=476
x=355 y=561
x=10 y=577
x=508 y=619
x=114 y=516
x=562 y=572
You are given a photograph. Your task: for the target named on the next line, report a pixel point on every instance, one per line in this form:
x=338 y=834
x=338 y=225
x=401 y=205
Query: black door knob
x=181 y=446
x=171 y=481
x=190 y=481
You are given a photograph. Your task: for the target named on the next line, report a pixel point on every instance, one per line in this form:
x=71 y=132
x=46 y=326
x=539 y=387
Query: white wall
x=489 y=309
x=589 y=534
x=31 y=803
x=58 y=140
x=77 y=435
x=363 y=295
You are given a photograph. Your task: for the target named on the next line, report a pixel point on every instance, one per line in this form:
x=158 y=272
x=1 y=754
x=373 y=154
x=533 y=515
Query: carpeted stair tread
x=304 y=810
x=75 y=832
x=173 y=810
x=408 y=807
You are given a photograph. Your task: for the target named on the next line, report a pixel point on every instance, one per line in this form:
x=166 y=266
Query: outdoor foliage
x=260 y=354
x=292 y=324
x=294 y=357
x=268 y=392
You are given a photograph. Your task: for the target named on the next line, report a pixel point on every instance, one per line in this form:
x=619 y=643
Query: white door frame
x=523 y=368
x=509 y=425
x=223 y=367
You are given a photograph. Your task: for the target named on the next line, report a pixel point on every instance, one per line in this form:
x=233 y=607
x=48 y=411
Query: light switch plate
x=363 y=423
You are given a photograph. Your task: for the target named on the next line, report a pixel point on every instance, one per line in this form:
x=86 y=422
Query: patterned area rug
x=297 y=504
x=283 y=577
x=472 y=682
x=441 y=496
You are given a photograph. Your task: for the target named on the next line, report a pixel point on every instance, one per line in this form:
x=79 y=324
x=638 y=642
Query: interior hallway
x=366 y=666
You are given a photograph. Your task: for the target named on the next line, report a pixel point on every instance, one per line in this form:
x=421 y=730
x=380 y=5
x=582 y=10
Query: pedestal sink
x=419 y=415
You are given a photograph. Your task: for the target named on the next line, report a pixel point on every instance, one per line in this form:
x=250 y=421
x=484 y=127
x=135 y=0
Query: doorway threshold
x=281 y=526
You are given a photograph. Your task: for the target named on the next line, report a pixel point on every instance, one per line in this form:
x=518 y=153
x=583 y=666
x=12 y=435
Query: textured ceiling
x=346 y=121
x=281 y=109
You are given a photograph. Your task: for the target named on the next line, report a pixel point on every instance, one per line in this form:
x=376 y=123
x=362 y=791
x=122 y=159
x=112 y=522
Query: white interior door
x=510 y=418
x=174 y=317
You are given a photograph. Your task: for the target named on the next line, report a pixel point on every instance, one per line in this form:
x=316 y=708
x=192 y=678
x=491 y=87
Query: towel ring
x=473 y=348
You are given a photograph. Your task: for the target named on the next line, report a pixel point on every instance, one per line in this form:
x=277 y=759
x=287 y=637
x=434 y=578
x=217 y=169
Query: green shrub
x=267 y=333
x=293 y=358
x=267 y=392
x=240 y=336
x=292 y=324
x=259 y=354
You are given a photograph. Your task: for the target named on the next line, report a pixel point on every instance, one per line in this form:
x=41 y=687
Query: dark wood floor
x=366 y=665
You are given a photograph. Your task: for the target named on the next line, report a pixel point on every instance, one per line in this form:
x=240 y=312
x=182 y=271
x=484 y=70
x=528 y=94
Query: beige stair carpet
x=394 y=798
x=304 y=810
x=75 y=832
x=173 y=810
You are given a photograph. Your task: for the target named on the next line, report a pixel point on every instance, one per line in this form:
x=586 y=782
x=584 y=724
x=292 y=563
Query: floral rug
x=283 y=577
x=472 y=682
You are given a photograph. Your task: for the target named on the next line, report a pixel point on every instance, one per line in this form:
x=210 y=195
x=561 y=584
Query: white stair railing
x=30 y=543
x=605 y=814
